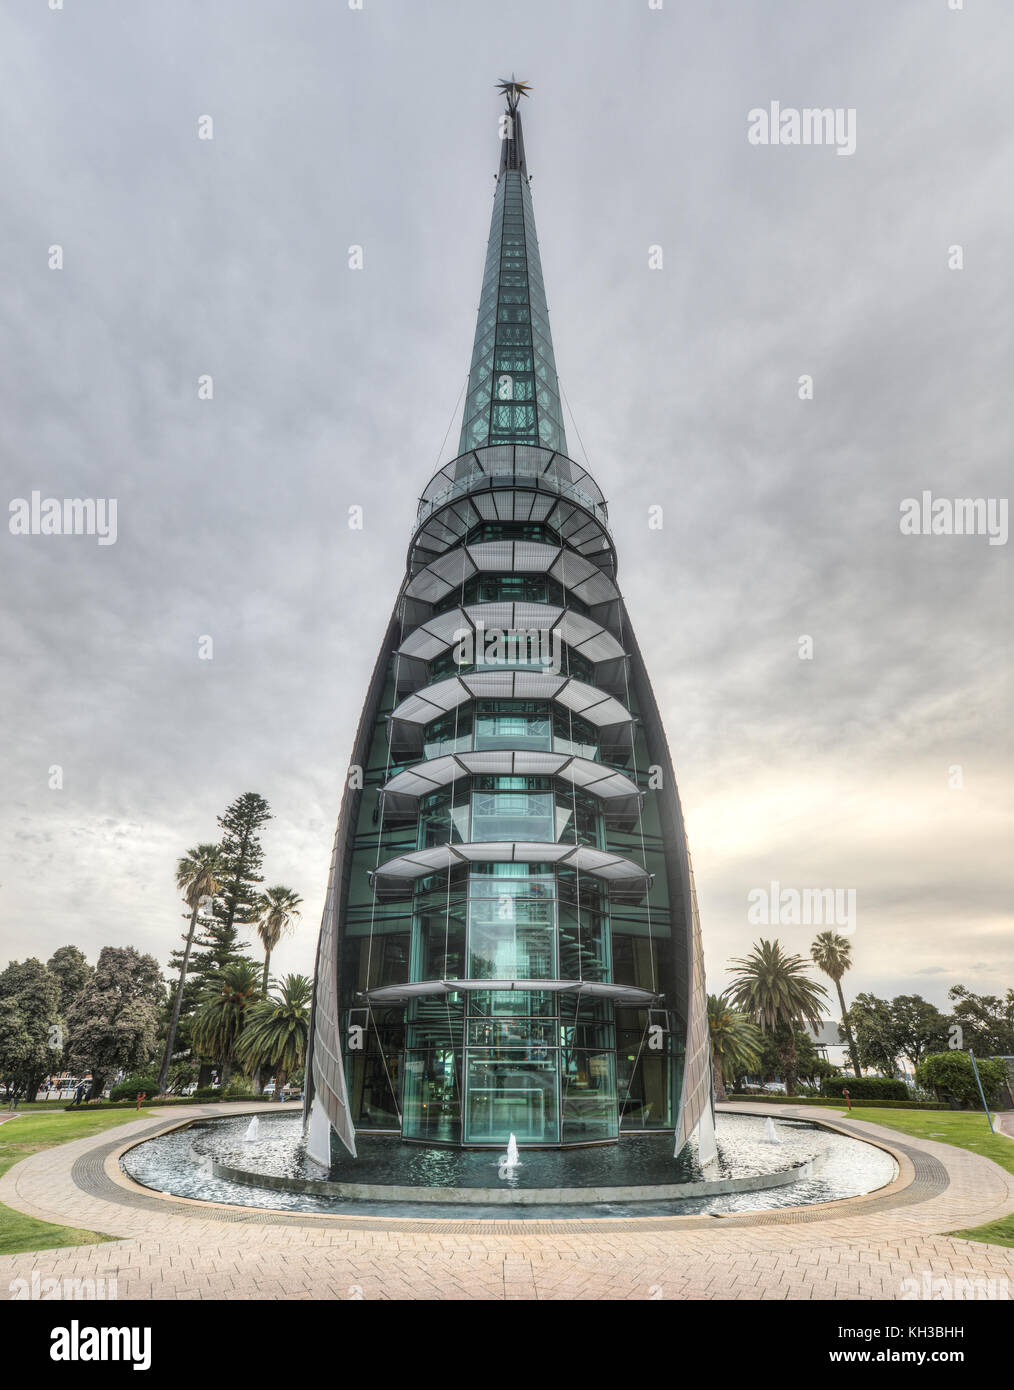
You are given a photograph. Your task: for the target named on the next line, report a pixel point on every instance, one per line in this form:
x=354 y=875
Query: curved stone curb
x=514 y=1197
x=919 y=1177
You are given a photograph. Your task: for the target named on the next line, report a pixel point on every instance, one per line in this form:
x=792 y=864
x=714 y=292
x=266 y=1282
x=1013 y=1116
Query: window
x=512 y=816
x=517 y=724
x=512 y=531
x=512 y=925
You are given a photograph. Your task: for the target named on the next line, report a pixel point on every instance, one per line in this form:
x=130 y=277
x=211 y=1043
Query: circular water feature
x=211 y=1160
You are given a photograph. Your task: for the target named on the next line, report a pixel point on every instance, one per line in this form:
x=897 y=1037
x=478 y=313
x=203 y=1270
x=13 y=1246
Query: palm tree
x=278 y=908
x=276 y=1031
x=221 y=1017
x=735 y=1042
x=832 y=954
x=197 y=879
x=775 y=993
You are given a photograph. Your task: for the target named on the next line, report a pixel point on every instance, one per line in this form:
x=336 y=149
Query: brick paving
x=892 y=1245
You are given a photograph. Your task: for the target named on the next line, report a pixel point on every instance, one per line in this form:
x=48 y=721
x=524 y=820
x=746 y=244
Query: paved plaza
x=891 y=1244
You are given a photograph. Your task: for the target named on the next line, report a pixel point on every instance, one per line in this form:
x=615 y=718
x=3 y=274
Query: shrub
x=865 y=1087
x=129 y=1087
x=949 y=1075
x=864 y=1104
x=208 y=1093
x=239 y=1089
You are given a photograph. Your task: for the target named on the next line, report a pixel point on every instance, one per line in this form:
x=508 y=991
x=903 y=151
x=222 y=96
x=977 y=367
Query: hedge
x=865 y=1087
x=128 y=1088
x=949 y=1075
x=159 y=1101
x=863 y=1104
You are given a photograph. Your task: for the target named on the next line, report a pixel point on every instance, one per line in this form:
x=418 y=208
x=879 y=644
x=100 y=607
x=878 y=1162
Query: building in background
x=510 y=942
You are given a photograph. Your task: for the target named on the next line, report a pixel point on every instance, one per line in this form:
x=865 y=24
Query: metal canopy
x=581 y=634
x=612 y=868
x=578 y=528
x=594 y=989
x=548 y=469
x=583 y=699
x=450 y=570
x=602 y=781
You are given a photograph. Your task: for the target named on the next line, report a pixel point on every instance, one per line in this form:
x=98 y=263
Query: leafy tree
x=772 y=989
x=113 y=1025
x=872 y=1025
x=735 y=1042
x=809 y=1063
x=236 y=904
x=277 y=1029
x=832 y=954
x=197 y=881
x=279 y=906
x=72 y=973
x=919 y=1027
x=31 y=1029
x=907 y=1026
x=15 y=1046
x=238 y=900
x=986 y=1022
x=220 y=1020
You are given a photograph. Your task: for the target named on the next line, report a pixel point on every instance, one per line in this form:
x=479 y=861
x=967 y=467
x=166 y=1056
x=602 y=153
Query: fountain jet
x=510 y=1160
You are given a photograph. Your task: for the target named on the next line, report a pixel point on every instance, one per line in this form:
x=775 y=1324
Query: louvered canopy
x=435 y=700
x=630 y=995
x=581 y=634
x=426 y=777
x=450 y=570
x=612 y=868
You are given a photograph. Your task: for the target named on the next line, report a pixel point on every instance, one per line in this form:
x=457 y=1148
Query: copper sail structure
x=510 y=942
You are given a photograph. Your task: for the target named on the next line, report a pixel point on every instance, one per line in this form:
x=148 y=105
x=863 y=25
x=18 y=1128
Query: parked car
x=292 y=1092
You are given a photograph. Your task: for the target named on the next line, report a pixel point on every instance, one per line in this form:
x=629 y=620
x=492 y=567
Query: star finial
x=513 y=90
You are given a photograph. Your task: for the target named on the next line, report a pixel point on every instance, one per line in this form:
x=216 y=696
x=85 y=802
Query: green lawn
x=35 y=1129
x=965 y=1129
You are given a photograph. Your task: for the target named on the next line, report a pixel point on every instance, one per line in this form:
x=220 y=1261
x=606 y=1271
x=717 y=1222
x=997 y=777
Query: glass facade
x=531 y=1055
x=533 y=650
x=510 y=943
x=513 y=394
x=535 y=726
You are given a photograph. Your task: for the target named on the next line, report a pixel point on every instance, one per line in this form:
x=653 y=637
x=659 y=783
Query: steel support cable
x=637 y=1059
x=373 y=884
x=640 y=826
x=640 y=812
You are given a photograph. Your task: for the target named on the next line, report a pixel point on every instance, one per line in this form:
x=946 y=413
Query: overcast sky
x=333 y=387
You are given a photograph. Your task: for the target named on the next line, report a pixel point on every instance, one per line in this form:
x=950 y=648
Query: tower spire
x=513 y=393
x=512 y=146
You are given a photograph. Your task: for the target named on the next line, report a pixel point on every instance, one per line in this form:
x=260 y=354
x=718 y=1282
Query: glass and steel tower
x=510 y=941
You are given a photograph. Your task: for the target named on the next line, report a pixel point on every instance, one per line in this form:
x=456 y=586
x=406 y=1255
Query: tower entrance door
x=515 y=1094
